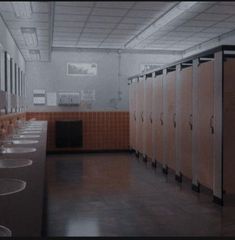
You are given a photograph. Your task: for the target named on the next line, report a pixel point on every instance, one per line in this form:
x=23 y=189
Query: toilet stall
x=185 y=115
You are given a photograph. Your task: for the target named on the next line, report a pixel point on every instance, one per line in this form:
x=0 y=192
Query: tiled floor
x=119 y=195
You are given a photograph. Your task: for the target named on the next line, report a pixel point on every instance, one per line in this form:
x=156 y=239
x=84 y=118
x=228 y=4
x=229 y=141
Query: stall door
x=170 y=119
x=139 y=115
x=205 y=124
x=148 y=118
x=228 y=127
x=158 y=119
x=132 y=115
x=186 y=122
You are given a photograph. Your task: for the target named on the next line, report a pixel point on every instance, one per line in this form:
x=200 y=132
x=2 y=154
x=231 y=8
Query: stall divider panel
x=131 y=116
x=132 y=109
x=154 y=119
x=134 y=116
x=205 y=127
x=139 y=115
x=178 y=123
x=195 y=125
x=165 y=130
x=145 y=119
x=171 y=120
x=148 y=118
x=218 y=135
x=159 y=118
x=185 y=124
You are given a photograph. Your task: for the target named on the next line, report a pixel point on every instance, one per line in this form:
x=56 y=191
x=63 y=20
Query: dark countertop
x=22 y=212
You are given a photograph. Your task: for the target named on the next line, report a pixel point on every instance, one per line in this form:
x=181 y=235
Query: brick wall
x=101 y=130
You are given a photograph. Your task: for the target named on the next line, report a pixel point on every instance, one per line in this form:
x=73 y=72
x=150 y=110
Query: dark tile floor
x=115 y=194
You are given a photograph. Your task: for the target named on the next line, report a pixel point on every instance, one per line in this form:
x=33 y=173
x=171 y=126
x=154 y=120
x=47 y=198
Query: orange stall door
x=132 y=115
x=157 y=105
x=139 y=115
x=205 y=135
x=186 y=122
x=170 y=119
x=148 y=118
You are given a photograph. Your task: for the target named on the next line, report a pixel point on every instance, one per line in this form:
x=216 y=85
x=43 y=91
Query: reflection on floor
x=119 y=195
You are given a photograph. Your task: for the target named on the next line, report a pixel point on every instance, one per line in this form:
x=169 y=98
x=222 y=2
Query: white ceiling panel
x=222 y=9
x=211 y=16
x=40 y=7
x=96 y=30
x=72 y=10
x=129 y=26
x=144 y=13
x=68 y=24
x=190 y=29
x=153 y=5
x=68 y=17
x=113 y=24
x=108 y=19
x=100 y=25
x=197 y=23
x=135 y=20
x=109 y=12
x=75 y=3
x=115 y=4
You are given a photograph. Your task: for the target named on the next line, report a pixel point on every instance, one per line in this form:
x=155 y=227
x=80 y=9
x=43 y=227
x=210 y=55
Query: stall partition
x=185 y=115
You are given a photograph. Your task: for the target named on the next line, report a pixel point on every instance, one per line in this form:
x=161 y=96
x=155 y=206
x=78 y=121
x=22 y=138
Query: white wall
x=8 y=44
x=51 y=76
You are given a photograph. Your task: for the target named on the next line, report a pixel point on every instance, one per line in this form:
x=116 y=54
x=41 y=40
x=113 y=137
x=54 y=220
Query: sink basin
x=26 y=136
x=15 y=163
x=30 y=132
x=9 y=150
x=10 y=185
x=23 y=141
x=5 y=232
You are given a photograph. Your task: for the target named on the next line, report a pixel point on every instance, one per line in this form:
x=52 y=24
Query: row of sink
x=17 y=143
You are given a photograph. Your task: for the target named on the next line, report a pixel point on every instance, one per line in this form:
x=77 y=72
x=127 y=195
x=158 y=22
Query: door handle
x=134 y=115
x=150 y=117
x=190 y=122
x=161 y=118
x=174 y=120
x=142 y=118
x=211 y=124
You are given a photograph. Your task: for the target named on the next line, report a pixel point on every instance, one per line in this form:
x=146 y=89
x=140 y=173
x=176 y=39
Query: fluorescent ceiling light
x=22 y=9
x=30 y=36
x=159 y=23
x=34 y=54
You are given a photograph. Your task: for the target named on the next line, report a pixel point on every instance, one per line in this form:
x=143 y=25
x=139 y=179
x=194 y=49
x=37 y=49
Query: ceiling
x=86 y=24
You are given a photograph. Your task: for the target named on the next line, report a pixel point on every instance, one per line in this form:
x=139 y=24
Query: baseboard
x=87 y=151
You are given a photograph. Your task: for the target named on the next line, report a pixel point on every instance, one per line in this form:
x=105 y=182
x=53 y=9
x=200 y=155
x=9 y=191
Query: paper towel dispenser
x=69 y=98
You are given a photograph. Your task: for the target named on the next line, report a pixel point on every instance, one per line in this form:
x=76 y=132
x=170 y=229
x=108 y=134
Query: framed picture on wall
x=81 y=69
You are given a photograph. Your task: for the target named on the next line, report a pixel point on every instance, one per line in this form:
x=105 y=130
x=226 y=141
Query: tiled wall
x=6 y=121
x=101 y=130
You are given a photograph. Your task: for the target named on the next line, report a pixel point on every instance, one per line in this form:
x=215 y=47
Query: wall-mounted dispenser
x=69 y=98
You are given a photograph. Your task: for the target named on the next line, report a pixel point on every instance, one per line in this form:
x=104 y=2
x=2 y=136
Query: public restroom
x=117 y=118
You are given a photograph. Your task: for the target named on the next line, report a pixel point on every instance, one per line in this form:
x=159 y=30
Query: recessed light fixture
x=30 y=36
x=162 y=21
x=34 y=54
x=22 y=9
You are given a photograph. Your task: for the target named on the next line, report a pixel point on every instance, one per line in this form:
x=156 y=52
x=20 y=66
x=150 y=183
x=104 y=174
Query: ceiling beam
x=116 y=50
